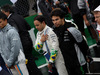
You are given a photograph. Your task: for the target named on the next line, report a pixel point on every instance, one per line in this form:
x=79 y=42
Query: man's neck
x=63 y=23
x=9 y=15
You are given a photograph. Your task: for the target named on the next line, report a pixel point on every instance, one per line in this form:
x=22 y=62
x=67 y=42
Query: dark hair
x=3 y=16
x=7 y=8
x=40 y=18
x=58 y=12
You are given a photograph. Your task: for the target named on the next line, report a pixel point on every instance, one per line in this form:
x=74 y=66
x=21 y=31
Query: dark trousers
x=85 y=68
x=31 y=66
x=78 y=19
x=3 y=72
x=2 y=63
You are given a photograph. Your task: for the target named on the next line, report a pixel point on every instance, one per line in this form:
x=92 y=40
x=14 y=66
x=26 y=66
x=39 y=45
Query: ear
x=6 y=20
x=43 y=22
x=63 y=18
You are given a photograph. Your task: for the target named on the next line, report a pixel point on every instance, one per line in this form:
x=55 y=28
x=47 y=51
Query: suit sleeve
x=38 y=43
x=81 y=42
x=13 y=23
x=82 y=6
x=15 y=47
x=54 y=48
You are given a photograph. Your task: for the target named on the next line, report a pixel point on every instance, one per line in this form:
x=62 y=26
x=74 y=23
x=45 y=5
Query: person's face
x=3 y=23
x=97 y=17
x=57 y=21
x=39 y=26
x=6 y=13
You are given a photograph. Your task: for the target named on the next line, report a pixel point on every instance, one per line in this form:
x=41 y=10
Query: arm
x=54 y=48
x=15 y=46
x=38 y=44
x=82 y=7
x=79 y=40
x=86 y=21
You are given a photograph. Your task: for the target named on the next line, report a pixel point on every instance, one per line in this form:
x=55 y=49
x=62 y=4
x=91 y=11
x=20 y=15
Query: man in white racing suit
x=47 y=41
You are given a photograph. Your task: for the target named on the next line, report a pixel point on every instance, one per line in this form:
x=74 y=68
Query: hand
x=87 y=23
x=12 y=67
x=49 y=66
x=89 y=59
x=44 y=38
x=57 y=2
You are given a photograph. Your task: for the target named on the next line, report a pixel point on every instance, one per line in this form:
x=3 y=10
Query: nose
x=55 y=22
x=96 y=19
x=36 y=27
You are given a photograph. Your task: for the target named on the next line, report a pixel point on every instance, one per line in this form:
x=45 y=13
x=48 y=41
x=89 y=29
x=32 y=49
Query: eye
x=57 y=19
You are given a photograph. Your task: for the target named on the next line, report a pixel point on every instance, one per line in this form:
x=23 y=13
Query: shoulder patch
x=75 y=33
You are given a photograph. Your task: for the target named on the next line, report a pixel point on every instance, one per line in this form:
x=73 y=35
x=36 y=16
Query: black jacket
x=66 y=43
x=22 y=26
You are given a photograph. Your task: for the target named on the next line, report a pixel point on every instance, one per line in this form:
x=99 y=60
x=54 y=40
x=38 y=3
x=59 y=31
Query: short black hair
x=58 y=12
x=40 y=18
x=3 y=16
x=7 y=8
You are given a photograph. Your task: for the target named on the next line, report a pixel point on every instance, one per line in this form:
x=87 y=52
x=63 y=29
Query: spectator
x=72 y=44
x=76 y=15
x=22 y=27
x=87 y=16
x=96 y=13
x=11 y=47
x=46 y=6
x=43 y=8
x=47 y=41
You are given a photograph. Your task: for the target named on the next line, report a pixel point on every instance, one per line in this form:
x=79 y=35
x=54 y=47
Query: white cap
x=97 y=9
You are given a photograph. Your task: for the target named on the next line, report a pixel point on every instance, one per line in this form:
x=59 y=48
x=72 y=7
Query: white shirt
x=13 y=1
x=0 y=68
x=98 y=27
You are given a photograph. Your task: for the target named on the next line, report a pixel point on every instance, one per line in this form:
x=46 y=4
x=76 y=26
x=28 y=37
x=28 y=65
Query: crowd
x=60 y=40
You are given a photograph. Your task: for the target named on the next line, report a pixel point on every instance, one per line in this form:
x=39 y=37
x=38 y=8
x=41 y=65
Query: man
x=11 y=47
x=87 y=17
x=47 y=41
x=22 y=27
x=76 y=15
x=72 y=45
x=96 y=13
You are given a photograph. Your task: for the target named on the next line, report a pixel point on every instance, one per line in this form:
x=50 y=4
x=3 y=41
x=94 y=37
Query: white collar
x=40 y=32
x=98 y=27
x=9 y=15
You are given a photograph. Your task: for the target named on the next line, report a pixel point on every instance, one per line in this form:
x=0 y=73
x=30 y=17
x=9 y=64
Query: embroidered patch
x=53 y=57
x=39 y=46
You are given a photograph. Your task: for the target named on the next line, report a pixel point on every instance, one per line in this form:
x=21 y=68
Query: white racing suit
x=53 y=45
